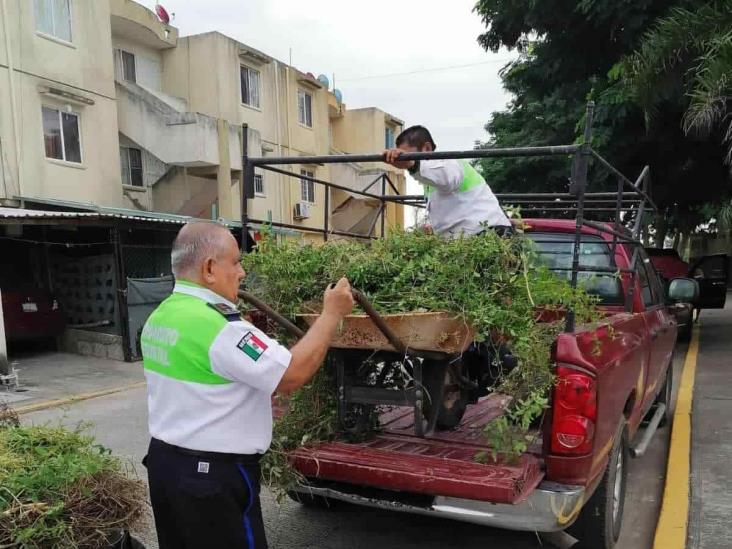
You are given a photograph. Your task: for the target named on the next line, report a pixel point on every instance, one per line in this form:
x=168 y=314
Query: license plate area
x=30 y=307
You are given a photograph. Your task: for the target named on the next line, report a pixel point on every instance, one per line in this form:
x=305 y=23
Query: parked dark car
x=668 y=263
x=709 y=271
x=30 y=312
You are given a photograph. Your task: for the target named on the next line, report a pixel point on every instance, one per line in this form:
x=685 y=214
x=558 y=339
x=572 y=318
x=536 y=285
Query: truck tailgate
x=441 y=464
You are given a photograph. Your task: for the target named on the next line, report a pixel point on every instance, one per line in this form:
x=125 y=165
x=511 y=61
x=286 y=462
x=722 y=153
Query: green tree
x=569 y=53
x=687 y=57
x=688 y=53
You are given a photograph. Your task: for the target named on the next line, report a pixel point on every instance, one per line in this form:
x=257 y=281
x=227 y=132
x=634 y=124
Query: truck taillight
x=575 y=412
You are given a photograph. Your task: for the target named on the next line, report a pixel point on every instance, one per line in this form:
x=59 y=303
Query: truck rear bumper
x=550 y=507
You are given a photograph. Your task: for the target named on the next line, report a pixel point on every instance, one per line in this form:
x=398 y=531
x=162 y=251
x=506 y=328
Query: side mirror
x=683 y=290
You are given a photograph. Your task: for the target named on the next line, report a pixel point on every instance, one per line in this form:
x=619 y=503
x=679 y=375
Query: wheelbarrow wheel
x=442 y=386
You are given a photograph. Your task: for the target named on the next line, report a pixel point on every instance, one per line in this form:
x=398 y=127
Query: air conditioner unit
x=302 y=210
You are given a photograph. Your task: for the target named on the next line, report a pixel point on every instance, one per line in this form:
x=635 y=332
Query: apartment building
x=280 y=111
x=114 y=131
x=58 y=113
x=107 y=106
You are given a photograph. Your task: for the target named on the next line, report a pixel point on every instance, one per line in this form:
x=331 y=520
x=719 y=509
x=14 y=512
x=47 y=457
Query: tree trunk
x=661 y=225
x=646 y=235
x=684 y=245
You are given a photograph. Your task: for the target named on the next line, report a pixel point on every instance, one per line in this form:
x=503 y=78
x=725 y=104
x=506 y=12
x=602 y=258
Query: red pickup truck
x=574 y=475
x=609 y=376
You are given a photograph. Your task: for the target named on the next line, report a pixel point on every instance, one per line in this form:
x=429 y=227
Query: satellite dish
x=338 y=95
x=324 y=80
x=162 y=14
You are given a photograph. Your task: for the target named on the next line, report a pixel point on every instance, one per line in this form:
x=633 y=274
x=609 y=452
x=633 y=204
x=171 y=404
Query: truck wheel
x=598 y=525
x=665 y=395
x=685 y=332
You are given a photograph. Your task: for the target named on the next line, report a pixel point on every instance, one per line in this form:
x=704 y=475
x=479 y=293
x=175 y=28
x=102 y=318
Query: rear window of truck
x=554 y=250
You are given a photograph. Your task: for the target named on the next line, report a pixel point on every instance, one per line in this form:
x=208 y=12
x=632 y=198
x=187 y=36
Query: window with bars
x=53 y=17
x=305 y=108
x=259 y=184
x=61 y=136
x=307 y=188
x=249 y=79
x=131 y=166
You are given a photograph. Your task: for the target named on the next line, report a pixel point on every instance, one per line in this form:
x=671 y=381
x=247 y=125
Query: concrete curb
x=75 y=398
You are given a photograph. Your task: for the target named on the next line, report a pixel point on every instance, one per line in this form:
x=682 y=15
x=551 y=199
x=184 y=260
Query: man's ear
x=207 y=269
x=427 y=147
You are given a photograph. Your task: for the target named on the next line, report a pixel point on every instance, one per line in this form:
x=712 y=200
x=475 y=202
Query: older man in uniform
x=210 y=378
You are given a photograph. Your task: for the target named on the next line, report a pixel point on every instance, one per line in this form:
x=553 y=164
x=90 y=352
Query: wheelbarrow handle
x=380 y=324
x=297 y=332
x=271 y=313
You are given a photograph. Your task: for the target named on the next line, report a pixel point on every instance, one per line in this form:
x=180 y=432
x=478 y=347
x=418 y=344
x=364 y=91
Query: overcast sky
x=360 y=42
x=369 y=46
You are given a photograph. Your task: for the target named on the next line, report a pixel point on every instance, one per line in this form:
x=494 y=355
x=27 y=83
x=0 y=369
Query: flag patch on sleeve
x=252 y=346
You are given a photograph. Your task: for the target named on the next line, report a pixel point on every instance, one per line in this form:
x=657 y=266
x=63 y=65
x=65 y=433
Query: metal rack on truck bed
x=430 y=369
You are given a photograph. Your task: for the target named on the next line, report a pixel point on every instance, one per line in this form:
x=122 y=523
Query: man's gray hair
x=196 y=241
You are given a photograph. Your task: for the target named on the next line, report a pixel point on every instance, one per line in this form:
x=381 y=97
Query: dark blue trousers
x=203 y=500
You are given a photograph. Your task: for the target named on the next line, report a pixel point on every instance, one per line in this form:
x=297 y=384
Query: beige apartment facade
x=109 y=107
x=58 y=117
x=282 y=111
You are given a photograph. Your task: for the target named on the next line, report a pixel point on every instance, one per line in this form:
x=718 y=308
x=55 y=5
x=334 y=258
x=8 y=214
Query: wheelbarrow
x=405 y=360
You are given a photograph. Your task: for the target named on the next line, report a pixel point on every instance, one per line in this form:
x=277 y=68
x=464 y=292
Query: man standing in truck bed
x=459 y=201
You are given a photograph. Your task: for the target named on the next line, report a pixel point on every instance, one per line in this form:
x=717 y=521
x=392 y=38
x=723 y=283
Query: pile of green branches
x=60 y=489
x=494 y=284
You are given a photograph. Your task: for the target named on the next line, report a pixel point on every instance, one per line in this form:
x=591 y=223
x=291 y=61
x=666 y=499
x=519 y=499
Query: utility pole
x=4 y=365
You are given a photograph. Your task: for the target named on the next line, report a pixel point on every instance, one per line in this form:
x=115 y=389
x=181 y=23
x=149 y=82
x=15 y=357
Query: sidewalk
x=710 y=515
x=51 y=376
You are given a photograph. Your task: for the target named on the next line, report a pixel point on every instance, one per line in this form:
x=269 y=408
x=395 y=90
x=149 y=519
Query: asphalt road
x=119 y=422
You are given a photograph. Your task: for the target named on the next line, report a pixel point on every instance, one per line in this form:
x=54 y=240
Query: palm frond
x=676 y=40
x=724 y=217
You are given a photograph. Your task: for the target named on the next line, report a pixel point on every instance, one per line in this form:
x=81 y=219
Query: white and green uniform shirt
x=458 y=198
x=210 y=375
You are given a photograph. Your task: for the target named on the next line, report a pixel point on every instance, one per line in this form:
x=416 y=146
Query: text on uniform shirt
x=155 y=340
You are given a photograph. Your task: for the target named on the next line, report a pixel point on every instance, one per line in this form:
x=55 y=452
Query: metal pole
x=319 y=181
x=302 y=228
x=391 y=184
x=581 y=185
x=559 y=150
x=248 y=192
x=383 y=206
x=374 y=182
x=618 y=209
x=326 y=214
x=376 y=220
x=635 y=186
x=271 y=313
x=122 y=295
x=4 y=364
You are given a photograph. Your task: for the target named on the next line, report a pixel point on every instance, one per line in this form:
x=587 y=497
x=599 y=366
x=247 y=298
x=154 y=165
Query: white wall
x=148 y=63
